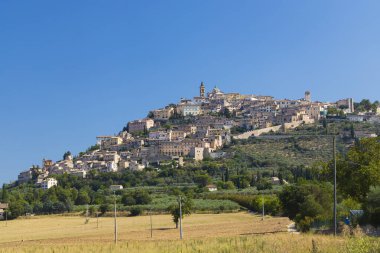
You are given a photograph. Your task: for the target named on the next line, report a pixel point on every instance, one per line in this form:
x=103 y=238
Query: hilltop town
x=191 y=130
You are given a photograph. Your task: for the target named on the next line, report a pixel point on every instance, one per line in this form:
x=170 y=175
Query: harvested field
x=66 y=229
x=229 y=233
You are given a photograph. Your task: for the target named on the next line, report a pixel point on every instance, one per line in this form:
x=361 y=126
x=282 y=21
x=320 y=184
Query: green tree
x=92 y=210
x=372 y=207
x=128 y=200
x=48 y=207
x=136 y=211
x=142 y=197
x=150 y=115
x=307 y=202
x=66 y=155
x=226 y=113
x=346 y=205
x=103 y=208
x=17 y=208
x=352 y=131
x=202 y=180
x=226 y=185
x=263 y=184
x=83 y=198
x=332 y=111
x=58 y=207
x=359 y=170
x=186 y=204
x=4 y=194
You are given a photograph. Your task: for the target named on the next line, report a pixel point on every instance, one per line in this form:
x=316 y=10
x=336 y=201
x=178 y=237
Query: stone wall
x=259 y=132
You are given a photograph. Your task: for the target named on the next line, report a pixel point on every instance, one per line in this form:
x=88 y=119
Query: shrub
x=92 y=210
x=263 y=185
x=304 y=224
x=138 y=197
x=103 y=208
x=142 y=197
x=136 y=211
x=307 y=202
x=128 y=200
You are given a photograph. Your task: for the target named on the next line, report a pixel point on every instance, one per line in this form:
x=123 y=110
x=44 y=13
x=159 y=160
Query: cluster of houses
x=191 y=129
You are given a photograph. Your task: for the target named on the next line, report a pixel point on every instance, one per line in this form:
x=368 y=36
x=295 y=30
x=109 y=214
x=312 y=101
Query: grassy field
x=236 y=232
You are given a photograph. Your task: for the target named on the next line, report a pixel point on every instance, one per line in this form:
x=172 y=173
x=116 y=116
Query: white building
x=197 y=153
x=212 y=188
x=135 y=166
x=116 y=187
x=3 y=206
x=356 y=118
x=140 y=125
x=79 y=173
x=48 y=183
x=189 y=109
x=160 y=135
x=112 y=166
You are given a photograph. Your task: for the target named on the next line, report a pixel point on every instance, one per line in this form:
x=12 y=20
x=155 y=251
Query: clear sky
x=71 y=70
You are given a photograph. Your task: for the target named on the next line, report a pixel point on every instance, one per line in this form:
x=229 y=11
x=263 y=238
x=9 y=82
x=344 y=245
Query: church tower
x=307 y=96
x=202 y=90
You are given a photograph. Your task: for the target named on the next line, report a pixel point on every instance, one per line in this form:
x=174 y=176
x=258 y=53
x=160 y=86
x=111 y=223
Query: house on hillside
x=3 y=206
x=275 y=181
x=48 y=183
x=116 y=187
x=211 y=188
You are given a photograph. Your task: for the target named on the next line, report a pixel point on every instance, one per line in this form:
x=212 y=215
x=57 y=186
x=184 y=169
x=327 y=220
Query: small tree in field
x=187 y=205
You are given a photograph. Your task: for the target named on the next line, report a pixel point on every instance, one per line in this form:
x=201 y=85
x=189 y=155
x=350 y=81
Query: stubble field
x=236 y=232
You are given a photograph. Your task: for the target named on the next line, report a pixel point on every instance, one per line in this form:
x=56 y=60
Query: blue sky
x=72 y=70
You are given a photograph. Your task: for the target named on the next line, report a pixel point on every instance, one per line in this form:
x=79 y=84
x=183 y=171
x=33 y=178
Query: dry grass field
x=236 y=232
x=71 y=229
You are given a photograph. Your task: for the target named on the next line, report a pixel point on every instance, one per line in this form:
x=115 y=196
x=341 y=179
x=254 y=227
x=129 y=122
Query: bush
x=304 y=224
x=252 y=202
x=372 y=207
x=103 y=208
x=16 y=209
x=142 y=197
x=226 y=185
x=263 y=185
x=58 y=207
x=138 y=197
x=128 y=200
x=271 y=204
x=307 y=202
x=136 y=211
x=92 y=210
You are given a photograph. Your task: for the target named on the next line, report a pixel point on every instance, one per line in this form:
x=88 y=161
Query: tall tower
x=202 y=90
x=307 y=96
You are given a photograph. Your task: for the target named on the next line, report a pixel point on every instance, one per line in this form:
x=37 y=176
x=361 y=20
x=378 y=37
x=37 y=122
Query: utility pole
x=263 y=207
x=335 y=202
x=180 y=217
x=151 y=225
x=115 y=224
x=87 y=214
x=97 y=220
x=6 y=218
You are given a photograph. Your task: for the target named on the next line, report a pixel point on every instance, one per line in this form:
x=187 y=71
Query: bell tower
x=307 y=96
x=202 y=90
